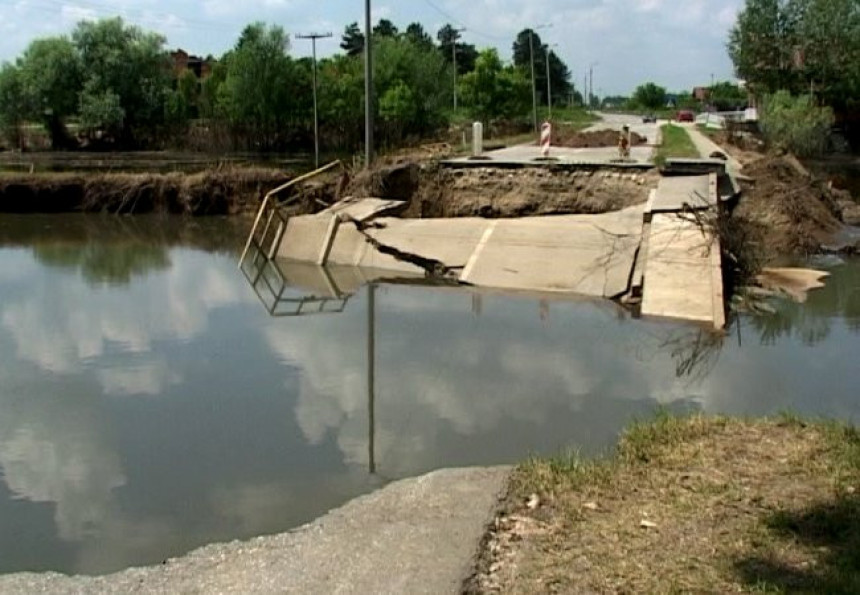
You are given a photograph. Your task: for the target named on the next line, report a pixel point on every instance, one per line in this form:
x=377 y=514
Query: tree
x=13 y=104
x=527 y=40
x=126 y=74
x=726 y=96
x=494 y=91
x=262 y=87
x=763 y=43
x=407 y=83
x=795 y=124
x=352 y=41
x=52 y=75
x=649 y=96
x=449 y=38
x=416 y=34
x=385 y=28
x=828 y=55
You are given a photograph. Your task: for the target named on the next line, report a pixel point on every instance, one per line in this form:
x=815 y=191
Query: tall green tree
x=416 y=34
x=649 y=96
x=13 y=104
x=126 y=74
x=385 y=28
x=52 y=75
x=260 y=93
x=764 y=45
x=494 y=90
x=352 y=40
x=559 y=73
x=449 y=38
x=828 y=55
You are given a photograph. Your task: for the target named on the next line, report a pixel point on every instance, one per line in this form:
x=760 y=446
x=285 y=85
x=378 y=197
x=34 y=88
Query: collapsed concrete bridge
x=662 y=256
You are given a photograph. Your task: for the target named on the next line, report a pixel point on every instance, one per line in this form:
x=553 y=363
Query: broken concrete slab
x=683 y=275
x=679 y=193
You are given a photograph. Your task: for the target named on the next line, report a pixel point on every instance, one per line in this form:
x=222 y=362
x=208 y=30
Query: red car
x=686 y=115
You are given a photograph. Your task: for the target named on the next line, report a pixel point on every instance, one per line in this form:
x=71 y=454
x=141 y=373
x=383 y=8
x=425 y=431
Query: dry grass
x=224 y=190
x=696 y=504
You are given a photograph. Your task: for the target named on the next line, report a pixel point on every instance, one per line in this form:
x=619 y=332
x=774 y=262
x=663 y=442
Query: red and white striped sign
x=545 y=136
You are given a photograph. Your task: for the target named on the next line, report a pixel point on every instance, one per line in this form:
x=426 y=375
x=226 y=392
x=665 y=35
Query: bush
x=795 y=124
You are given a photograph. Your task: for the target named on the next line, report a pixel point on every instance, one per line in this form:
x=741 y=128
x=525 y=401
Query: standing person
x=624 y=143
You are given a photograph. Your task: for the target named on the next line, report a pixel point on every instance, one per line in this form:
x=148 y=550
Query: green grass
x=705 y=504
x=676 y=144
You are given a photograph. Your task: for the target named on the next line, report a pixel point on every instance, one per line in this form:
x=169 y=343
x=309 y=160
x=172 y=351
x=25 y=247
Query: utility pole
x=454 y=58
x=368 y=87
x=591 y=83
x=532 y=59
x=549 y=81
x=313 y=37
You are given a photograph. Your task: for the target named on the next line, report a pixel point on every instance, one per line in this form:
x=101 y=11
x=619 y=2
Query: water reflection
x=838 y=302
x=140 y=420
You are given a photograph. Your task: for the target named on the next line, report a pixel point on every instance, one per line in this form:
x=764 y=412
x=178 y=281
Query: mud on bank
x=433 y=191
x=213 y=192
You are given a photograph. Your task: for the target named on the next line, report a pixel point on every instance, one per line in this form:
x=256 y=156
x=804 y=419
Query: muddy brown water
x=149 y=404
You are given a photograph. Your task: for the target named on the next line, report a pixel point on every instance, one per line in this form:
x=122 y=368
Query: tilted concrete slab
x=363 y=209
x=450 y=241
x=585 y=254
x=677 y=193
x=683 y=274
x=309 y=238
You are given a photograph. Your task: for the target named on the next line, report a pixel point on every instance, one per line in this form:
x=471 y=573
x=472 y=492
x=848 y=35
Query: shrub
x=795 y=123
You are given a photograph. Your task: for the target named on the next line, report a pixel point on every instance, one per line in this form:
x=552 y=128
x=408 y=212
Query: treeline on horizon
x=113 y=85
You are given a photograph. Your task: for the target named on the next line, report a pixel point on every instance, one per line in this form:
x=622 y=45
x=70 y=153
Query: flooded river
x=149 y=404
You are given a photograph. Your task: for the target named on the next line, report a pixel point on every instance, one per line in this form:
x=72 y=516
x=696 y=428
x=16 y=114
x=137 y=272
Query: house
x=701 y=93
x=183 y=61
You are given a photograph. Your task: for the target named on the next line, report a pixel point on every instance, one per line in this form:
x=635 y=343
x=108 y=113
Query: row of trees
x=721 y=96
x=113 y=83
x=802 y=47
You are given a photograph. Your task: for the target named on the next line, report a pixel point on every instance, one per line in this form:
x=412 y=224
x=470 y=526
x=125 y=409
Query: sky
x=623 y=42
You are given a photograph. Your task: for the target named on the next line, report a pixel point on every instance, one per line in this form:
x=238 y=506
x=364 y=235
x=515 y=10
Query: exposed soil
x=794 y=212
x=433 y=191
x=600 y=138
x=699 y=505
x=220 y=191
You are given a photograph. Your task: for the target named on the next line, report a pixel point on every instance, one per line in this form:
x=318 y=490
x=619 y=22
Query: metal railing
x=263 y=236
x=259 y=265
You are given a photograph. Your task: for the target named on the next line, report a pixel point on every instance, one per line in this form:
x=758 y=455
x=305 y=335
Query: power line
x=457 y=21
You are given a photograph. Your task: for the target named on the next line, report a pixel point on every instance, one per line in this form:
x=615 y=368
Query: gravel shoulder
x=417 y=535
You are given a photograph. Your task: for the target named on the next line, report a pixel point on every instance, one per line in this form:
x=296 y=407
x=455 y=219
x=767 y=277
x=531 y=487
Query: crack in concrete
x=435 y=269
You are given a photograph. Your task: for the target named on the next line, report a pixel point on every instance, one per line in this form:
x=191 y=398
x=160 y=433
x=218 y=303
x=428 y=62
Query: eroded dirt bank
x=212 y=192
x=433 y=191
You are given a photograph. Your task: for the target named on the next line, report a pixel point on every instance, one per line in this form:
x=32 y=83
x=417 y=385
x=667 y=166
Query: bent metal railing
x=270 y=209
x=259 y=265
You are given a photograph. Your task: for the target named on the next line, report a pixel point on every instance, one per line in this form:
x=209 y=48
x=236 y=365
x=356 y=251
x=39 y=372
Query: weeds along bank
x=213 y=192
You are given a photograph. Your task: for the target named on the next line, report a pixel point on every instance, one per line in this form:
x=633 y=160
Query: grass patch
x=692 y=504
x=676 y=143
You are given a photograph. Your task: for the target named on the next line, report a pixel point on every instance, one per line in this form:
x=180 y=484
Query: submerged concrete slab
x=308 y=238
x=414 y=536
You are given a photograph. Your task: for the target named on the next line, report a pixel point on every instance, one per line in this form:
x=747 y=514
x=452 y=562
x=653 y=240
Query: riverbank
x=221 y=191
x=699 y=504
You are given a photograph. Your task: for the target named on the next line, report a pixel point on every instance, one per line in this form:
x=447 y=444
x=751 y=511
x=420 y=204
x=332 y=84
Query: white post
x=477 y=139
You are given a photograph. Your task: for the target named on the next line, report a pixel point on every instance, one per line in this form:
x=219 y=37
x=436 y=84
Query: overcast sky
x=677 y=45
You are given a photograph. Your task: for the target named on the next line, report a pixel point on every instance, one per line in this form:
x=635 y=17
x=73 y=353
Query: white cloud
x=675 y=45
